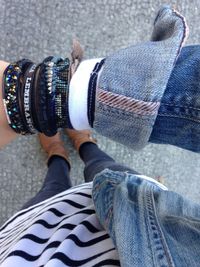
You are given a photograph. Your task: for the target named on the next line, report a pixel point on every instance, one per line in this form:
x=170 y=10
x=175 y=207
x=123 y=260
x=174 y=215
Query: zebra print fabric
x=61 y=231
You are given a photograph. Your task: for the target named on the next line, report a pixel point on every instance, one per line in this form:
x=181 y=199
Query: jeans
x=133 y=81
x=149 y=225
x=178 y=117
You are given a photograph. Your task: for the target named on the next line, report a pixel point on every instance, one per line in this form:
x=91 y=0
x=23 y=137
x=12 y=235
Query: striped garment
x=60 y=231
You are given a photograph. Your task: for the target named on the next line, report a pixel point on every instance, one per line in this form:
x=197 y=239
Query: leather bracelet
x=42 y=102
x=35 y=99
x=24 y=68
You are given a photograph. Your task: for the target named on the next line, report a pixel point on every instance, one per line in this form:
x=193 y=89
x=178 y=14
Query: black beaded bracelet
x=50 y=80
x=36 y=97
x=12 y=82
x=54 y=75
x=62 y=89
x=47 y=106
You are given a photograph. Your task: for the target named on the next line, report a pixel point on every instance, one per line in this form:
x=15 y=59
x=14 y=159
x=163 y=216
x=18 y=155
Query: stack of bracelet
x=36 y=97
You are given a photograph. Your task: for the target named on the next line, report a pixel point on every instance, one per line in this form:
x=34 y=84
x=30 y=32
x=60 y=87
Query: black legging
x=58 y=175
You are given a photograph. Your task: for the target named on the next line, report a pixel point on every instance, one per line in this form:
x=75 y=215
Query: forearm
x=6 y=133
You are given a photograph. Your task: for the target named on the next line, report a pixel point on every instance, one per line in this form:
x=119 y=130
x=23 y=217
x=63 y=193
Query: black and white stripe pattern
x=61 y=231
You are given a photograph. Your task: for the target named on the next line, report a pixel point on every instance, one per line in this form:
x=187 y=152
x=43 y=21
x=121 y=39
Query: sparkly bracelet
x=10 y=77
x=46 y=92
x=12 y=86
x=36 y=97
x=62 y=89
x=53 y=88
x=50 y=81
x=47 y=108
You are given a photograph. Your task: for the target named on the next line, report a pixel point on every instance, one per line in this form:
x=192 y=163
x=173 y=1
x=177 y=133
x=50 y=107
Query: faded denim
x=133 y=81
x=149 y=225
x=178 y=117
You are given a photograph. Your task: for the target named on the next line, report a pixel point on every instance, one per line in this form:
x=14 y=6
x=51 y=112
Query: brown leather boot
x=80 y=137
x=53 y=146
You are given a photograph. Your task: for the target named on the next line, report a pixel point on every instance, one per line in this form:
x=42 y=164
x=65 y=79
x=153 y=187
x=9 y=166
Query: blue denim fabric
x=148 y=225
x=134 y=79
x=178 y=117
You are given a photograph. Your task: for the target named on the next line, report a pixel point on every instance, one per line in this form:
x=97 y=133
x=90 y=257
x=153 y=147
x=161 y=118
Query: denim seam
x=109 y=212
x=150 y=206
x=131 y=124
x=180 y=117
x=177 y=106
x=109 y=216
x=141 y=124
x=185 y=30
x=127 y=114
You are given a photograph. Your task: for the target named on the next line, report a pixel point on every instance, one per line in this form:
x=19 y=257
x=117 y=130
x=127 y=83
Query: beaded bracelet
x=50 y=79
x=47 y=108
x=62 y=89
x=35 y=97
x=12 y=81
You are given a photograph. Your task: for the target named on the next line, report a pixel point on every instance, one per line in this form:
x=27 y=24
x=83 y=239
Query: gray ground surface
x=35 y=29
